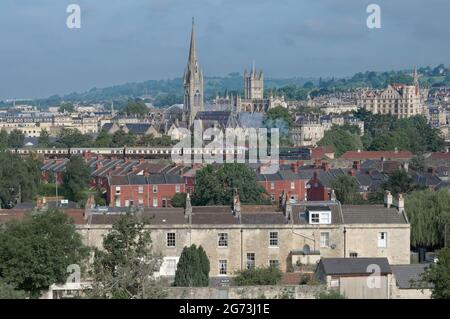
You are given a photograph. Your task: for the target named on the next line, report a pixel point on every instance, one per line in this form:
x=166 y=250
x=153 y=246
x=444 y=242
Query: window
x=324 y=239
x=353 y=255
x=155 y=202
x=222 y=267
x=382 y=240
x=275 y=263
x=127 y=203
x=177 y=188
x=292 y=185
x=272 y=185
x=273 y=239
x=141 y=201
x=250 y=260
x=323 y=217
x=223 y=239
x=334 y=283
x=117 y=190
x=155 y=189
x=171 y=242
x=117 y=203
x=141 y=189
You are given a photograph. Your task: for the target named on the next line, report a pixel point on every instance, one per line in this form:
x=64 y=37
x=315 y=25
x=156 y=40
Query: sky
x=138 y=40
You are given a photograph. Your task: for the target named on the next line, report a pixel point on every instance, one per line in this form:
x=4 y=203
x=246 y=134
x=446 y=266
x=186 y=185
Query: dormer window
x=319 y=216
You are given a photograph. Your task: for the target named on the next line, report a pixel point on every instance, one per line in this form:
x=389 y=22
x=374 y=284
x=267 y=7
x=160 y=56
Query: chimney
x=406 y=166
x=333 y=195
x=146 y=172
x=294 y=167
x=326 y=167
x=401 y=203
x=388 y=199
x=317 y=163
x=352 y=172
x=288 y=209
x=188 y=208
x=236 y=206
x=356 y=165
x=98 y=165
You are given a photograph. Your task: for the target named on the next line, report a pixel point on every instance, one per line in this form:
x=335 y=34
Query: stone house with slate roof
x=240 y=237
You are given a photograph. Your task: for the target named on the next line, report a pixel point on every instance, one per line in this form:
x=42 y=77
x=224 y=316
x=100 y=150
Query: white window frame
x=118 y=190
x=273 y=239
x=320 y=217
x=382 y=239
x=155 y=202
x=251 y=262
x=223 y=267
x=155 y=189
x=324 y=239
x=177 y=188
x=141 y=189
x=222 y=240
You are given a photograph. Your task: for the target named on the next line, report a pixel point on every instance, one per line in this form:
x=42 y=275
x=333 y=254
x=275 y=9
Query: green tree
x=124 y=268
x=19 y=179
x=44 y=138
x=135 y=108
x=258 y=276
x=16 y=139
x=179 y=200
x=36 y=251
x=347 y=189
x=341 y=140
x=76 y=178
x=8 y=291
x=429 y=216
x=193 y=268
x=66 y=108
x=103 y=139
x=120 y=139
x=438 y=275
x=73 y=138
x=399 y=183
x=331 y=294
x=3 y=139
x=279 y=117
x=216 y=185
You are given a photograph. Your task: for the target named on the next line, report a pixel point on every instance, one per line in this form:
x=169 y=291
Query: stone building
x=399 y=100
x=294 y=237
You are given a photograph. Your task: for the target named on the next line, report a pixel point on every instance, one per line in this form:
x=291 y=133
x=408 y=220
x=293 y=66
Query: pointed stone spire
x=193 y=47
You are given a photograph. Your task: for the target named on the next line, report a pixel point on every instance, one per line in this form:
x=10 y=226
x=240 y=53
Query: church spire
x=193 y=48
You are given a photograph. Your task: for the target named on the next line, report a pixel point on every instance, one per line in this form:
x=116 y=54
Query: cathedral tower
x=253 y=84
x=193 y=84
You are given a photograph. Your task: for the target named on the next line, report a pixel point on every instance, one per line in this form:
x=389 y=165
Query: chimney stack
x=400 y=203
x=388 y=199
x=333 y=195
x=236 y=206
x=188 y=208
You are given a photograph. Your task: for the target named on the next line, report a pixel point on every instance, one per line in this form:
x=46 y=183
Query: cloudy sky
x=137 y=40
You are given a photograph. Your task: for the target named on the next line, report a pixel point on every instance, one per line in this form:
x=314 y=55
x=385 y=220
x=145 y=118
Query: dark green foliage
x=438 y=275
x=76 y=178
x=341 y=140
x=258 y=276
x=44 y=138
x=36 y=251
x=3 y=139
x=125 y=268
x=331 y=294
x=103 y=139
x=121 y=139
x=429 y=216
x=19 y=179
x=66 y=108
x=347 y=189
x=16 y=139
x=135 y=108
x=216 y=185
x=179 y=200
x=72 y=138
x=399 y=183
x=8 y=291
x=193 y=268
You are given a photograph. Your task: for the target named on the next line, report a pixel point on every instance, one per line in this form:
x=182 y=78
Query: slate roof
x=407 y=276
x=353 y=266
x=371 y=214
x=300 y=211
x=376 y=155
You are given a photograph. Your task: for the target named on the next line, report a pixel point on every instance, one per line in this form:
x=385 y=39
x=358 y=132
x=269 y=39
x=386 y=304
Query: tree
x=135 y=108
x=120 y=139
x=279 y=117
x=36 y=251
x=44 y=138
x=331 y=294
x=258 y=276
x=125 y=268
x=341 y=140
x=75 y=178
x=73 y=138
x=438 y=275
x=399 y=183
x=103 y=139
x=8 y=291
x=179 y=200
x=19 y=179
x=429 y=215
x=193 y=268
x=16 y=139
x=3 y=139
x=347 y=189
x=66 y=108
x=216 y=185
